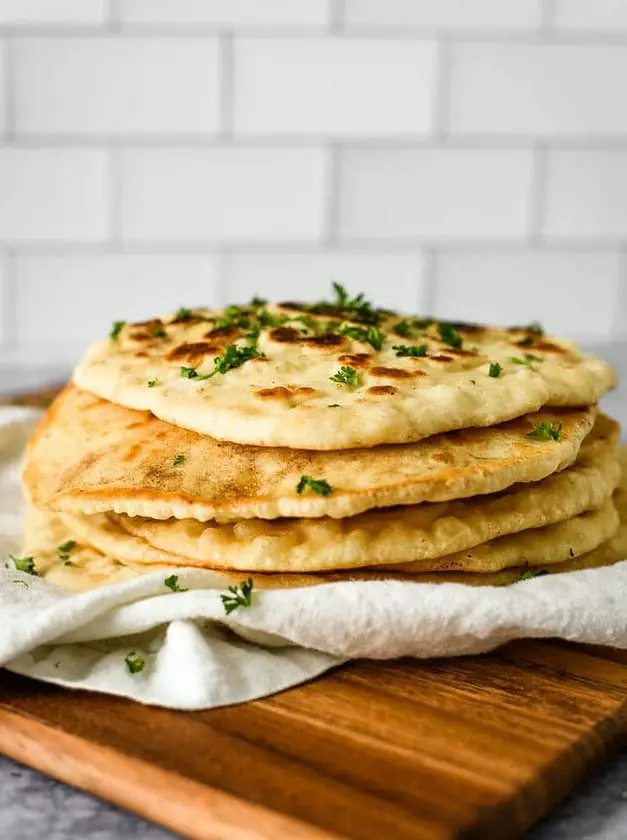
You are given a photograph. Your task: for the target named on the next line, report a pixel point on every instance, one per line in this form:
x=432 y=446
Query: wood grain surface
x=475 y=747
x=469 y=747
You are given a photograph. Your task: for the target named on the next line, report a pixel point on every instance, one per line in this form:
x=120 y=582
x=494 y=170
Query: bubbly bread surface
x=91 y=456
x=334 y=375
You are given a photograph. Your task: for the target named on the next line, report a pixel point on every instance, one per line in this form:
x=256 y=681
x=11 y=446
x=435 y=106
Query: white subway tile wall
x=461 y=157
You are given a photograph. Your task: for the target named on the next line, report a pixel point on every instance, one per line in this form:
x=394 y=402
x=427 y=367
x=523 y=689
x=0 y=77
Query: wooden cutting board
x=476 y=747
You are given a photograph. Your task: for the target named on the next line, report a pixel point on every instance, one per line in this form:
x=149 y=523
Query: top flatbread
x=91 y=456
x=286 y=395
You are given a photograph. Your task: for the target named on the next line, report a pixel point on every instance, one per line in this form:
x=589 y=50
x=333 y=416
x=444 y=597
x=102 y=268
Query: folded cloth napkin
x=194 y=656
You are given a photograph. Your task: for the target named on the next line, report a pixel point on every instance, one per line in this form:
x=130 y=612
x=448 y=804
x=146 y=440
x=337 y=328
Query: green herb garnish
x=238 y=596
x=546 y=431
x=134 y=662
x=234 y=357
x=346 y=375
x=353 y=309
x=172 y=582
x=159 y=332
x=495 y=370
x=23 y=564
x=370 y=335
x=257 y=301
x=449 y=335
x=536 y=328
x=234 y=316
x=152 y=383
x=416 y=351
x=529 y=574
x=320 y=486
x=190 y=373
x=182 y=314
x=527 y=360
x=64 y=551
x=178 y=460
x=116 y=329
x=413 y=328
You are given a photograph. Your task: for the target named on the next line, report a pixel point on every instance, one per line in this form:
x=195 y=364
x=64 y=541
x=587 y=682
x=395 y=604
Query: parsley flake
x=64 y=551
x=346 y=375
x=353 y=309
x=152 y=383
x=527 y=360
x=191 y=373
x=116 y=329
x=134 y=662
x=182 y=314
x=416 y=351
x=546 y=431
x=159 y=332
x=172 y=582
x=413 y=328
x=370 y=335
x=178 y=460
x=320 y=486
x=234 y=357
x=257 y=301
x=238 y=596
x=449 y=335
x=23 y=564
x=495 y=370
x=530 y=573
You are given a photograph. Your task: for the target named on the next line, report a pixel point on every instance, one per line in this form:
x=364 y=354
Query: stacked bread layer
x=480 y=471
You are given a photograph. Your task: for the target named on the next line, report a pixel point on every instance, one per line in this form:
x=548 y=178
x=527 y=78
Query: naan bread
x=45 y=532
x=408 y=534
x=90 y=456
x=92 y=568
x=440 y=379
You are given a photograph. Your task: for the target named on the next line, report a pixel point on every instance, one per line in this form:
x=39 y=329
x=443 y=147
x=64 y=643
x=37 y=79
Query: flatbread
x=287 y=396
x=378 y=537
x=91 y=456
x=45 y=532
x=92 y=569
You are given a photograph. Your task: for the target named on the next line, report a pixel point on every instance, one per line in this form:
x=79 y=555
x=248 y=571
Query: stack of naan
x=299 y=443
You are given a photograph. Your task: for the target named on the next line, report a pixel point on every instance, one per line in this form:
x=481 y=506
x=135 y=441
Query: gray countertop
x=32 y=805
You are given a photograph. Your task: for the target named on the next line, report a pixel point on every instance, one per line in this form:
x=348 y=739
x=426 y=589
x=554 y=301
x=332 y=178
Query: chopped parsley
x=370 y=335
x=238 y=596
x=536 y=328
x=413 y=328
x=116 y=329
x=178 y=460
x=346 y=375
x=353 y=309
x=528 y=360
x=64 y=551
x=23 y=564
x=530 y=573
x=182 y=314
x=234 y=316
x=449 y=335
x=159 y=332
x=546 y=431
x=134 y=662
x=234 y=357
x=191 y=373
x=152 y=383
x=417 y=351
x=495 y=370
x=172 y=582
x=320 y=486
x=257 y=301
x=527 y=341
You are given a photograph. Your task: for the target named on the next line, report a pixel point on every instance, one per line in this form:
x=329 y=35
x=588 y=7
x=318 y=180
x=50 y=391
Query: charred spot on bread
x=381 y=390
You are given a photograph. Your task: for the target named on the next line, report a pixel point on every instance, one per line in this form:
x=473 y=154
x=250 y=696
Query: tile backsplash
x=461 y=157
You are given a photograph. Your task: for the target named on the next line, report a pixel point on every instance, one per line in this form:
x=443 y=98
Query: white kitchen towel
x=195 y=656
